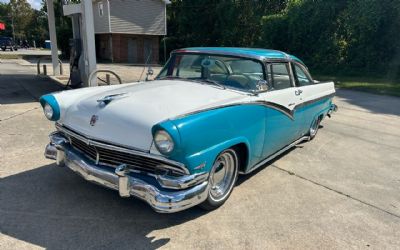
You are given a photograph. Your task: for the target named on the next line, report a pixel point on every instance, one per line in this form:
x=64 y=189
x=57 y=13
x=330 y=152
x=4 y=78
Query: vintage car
x=182 y=139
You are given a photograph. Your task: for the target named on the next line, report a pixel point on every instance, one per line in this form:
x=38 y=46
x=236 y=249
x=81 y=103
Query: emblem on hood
x=93 y=120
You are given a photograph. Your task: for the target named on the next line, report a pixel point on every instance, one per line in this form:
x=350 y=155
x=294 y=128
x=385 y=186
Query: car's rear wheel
x=314 y=128
x=222 y=179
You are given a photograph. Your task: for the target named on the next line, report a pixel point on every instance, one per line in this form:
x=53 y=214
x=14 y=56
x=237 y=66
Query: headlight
x=48 y=111
x=163 y=142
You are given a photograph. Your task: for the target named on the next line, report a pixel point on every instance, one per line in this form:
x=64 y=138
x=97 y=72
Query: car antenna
x=150 y=70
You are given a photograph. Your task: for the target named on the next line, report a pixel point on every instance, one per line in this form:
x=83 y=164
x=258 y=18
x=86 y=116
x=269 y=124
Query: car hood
x=135 y=108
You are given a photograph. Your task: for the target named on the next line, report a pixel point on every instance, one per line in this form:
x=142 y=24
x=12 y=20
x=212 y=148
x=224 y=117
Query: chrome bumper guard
x=332 y=109
x=184 y=191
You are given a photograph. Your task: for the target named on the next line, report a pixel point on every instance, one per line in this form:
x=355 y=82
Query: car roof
x=260 y=54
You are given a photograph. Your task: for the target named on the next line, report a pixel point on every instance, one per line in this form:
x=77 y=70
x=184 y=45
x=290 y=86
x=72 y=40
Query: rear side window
x=302 y=78
x=278 y=76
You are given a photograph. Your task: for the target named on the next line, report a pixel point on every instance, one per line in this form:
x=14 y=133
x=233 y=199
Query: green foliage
x=63 y=27
x=331 y=36
x=22 y=14
x=29 y=24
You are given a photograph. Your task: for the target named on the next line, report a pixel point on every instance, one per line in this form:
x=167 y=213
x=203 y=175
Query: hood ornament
x=93 y=120
x=107 y=99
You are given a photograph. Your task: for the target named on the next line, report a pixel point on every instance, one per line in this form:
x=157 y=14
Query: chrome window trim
x=305 y=70
x=289 y=69
x=107 y=145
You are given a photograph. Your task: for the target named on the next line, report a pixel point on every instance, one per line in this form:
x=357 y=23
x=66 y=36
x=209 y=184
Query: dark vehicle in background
x=7 y=43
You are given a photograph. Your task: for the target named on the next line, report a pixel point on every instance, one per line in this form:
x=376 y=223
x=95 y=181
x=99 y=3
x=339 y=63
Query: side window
x=278 y=76
x=188 y=66
x=101 y=12
x=301 y=77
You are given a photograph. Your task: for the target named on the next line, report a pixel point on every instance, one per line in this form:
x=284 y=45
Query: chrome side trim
x=92 y=142
x=278 y=107
x=260 y=164
x=289 y=113
x=314 y=100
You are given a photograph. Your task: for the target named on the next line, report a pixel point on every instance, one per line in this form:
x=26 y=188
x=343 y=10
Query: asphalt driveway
x=341 y=190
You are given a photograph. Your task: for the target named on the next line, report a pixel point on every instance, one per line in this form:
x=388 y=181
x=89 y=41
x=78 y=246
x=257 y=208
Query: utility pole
x=12 y=21
x=53 y=36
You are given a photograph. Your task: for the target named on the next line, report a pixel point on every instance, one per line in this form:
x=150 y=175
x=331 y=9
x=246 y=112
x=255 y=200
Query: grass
x=10 y=56
x=371 y=85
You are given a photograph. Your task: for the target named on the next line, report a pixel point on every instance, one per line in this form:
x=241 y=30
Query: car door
x=282 y=121
x=308 y=91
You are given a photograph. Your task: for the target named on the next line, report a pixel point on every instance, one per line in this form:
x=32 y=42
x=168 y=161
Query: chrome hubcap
x=223 y=175
x=314 y=127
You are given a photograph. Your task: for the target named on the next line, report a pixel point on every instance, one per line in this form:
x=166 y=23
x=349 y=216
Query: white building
x=129 y=30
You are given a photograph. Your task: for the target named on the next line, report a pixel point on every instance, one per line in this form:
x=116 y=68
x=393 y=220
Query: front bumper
x=194 y=190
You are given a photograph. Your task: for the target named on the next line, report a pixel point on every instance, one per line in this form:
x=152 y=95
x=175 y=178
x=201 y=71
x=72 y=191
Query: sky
x=36 y=4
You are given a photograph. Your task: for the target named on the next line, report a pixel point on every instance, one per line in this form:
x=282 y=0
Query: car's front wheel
x=222 y=179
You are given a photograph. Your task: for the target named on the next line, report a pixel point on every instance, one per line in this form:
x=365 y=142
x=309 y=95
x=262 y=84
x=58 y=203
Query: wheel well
x=243 y=154
x=321 y=117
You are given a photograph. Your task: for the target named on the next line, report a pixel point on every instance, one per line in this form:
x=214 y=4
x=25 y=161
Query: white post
x=53 y=36
x=89 y=46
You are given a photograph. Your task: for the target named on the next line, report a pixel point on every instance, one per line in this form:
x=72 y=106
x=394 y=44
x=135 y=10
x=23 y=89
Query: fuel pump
x=82 y=45
x=75 y=79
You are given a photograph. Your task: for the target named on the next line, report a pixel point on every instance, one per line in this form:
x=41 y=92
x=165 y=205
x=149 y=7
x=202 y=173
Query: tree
x=21 y=14
x=5 y=18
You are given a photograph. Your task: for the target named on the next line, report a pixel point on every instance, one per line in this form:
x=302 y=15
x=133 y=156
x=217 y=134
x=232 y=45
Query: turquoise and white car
x=182 y=139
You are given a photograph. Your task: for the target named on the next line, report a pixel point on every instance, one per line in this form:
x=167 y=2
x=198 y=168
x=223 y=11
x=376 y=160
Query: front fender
x=204 y=135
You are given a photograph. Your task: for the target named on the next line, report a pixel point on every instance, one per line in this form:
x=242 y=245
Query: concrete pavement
x=339 y=191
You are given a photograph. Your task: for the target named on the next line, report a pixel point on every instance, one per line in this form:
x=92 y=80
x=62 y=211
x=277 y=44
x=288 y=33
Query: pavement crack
x=19 y=114
x=336 y=191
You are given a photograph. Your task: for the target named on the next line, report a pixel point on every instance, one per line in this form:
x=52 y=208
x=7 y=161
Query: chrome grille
x=114 y=158
x=89 y=151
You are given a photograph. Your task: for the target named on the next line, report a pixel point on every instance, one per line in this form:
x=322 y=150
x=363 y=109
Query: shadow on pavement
x=53 y=208
x=244 y=178
x=24 y=88
x=379 y=104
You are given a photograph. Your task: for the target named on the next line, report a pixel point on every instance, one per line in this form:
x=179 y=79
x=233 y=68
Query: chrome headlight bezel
x=163 y=142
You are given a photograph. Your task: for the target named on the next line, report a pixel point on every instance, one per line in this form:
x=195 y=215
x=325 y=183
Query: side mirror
x=150 y=72
x=262 y=85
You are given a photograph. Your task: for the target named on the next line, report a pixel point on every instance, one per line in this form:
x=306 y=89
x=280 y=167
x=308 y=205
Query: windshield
x=226 y=71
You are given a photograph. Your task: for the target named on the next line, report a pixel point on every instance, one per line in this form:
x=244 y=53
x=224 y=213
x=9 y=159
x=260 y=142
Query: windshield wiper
x=168 y=77
x=213 y=82
x=191 y=79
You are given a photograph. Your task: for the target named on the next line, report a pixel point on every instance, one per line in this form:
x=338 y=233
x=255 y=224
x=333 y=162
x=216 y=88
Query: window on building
x=101 y=12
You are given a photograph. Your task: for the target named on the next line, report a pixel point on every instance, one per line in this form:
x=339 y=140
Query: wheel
x=314 y=128
x=222 y=179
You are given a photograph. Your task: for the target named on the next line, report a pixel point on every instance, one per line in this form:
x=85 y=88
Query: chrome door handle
x=298 y=92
